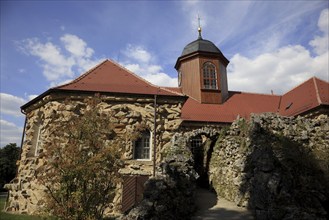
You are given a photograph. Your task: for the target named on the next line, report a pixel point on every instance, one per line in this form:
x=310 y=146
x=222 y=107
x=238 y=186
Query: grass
x=8 y=216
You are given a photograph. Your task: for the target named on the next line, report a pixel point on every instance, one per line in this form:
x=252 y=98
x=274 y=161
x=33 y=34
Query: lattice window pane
x=209 y=76
x=196 y=143
x=142 y=147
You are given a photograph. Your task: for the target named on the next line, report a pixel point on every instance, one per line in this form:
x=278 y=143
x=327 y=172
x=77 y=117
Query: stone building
x=202 y=99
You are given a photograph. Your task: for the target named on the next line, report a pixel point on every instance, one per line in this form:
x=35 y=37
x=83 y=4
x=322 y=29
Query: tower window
x=209 y=76
x=142 y=147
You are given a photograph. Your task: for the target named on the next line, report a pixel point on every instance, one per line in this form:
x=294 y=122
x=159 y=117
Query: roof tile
x=111 y=77
x=306 y=96
x=239 y=104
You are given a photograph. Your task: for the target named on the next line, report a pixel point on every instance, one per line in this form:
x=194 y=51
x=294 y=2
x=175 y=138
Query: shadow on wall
x=284 y=180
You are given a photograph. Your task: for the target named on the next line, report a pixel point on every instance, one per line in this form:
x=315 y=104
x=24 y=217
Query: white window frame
x=150 y=147
x=38 y=141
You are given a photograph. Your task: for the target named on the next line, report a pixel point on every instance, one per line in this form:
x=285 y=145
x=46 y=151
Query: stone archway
x=201 y=143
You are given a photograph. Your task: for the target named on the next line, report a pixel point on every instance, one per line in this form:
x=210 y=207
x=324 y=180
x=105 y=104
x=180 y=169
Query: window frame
x=209 y=76
x=36 y=140
x=142 y=143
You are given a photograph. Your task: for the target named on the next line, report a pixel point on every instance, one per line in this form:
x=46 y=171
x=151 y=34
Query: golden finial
x=199 y=27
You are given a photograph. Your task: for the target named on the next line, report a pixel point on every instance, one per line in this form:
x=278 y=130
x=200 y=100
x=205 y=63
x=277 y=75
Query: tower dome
x=200 y=45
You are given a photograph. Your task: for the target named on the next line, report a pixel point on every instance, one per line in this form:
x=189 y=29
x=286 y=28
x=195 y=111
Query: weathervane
x=199 y=27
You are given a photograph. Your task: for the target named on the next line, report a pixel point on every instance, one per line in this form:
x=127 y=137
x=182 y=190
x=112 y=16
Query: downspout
x=23 y=135
x=154 y=135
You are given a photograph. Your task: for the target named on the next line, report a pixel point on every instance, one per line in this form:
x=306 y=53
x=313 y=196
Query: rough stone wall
x=170 y=194
x=276 y=166
x=25 y=193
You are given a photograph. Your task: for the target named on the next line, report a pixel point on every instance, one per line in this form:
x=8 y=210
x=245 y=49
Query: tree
x=83 y=159
x=8 y=158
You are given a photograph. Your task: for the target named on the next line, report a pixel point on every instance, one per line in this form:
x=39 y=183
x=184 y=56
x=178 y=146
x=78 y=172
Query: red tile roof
x=111 y=77
x=306 y=96
x=238 y=104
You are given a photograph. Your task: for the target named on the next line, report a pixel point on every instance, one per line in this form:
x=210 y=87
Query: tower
x=202 y=71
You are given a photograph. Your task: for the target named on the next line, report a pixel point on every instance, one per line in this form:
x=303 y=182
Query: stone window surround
x=36 y=141
x=150 y=134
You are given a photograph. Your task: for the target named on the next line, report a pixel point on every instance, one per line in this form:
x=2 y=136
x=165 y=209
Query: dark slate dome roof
x=200 y=45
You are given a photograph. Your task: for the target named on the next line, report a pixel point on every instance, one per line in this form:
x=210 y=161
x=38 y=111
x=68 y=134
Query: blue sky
x=271 y=45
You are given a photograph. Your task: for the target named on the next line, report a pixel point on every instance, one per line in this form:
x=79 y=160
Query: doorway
x=202 y=147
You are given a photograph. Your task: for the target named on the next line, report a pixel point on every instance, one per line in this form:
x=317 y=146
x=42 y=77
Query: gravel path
x=211 y=208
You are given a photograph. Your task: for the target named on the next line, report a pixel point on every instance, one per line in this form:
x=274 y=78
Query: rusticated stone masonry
x=127 y=113
x=276 y=166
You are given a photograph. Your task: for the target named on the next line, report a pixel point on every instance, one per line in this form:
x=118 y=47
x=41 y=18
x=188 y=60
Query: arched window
x=209 y=76
x=142 y=147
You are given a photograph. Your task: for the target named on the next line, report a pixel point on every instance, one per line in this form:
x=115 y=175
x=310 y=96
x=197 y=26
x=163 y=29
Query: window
x=196 y=144
x=179 y=78
x=36 y=140
x=209 y=76
x=142 y=147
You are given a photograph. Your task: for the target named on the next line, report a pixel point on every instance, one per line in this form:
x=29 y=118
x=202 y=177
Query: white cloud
x=321 y=43
x=140 y=61
x=11 y=104
x=194 y=10
x=281 y=69
x=61 y=62
x=161 y=79
x=55 y=65
x=137 y=53
x=30 y=97
x=76 y=46
x=10 y=133
x=323 y=21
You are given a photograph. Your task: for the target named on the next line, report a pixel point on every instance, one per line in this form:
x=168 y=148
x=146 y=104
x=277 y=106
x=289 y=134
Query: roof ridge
x=168 y=90
x=134 y=74
x=254 y=93
x=320 y=79
x=81 y=76
x=279 y=106
x=293 y=88
x=317 y=91
x=141 y=78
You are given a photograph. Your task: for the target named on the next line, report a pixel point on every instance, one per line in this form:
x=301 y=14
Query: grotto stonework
x=276 y=166
x=170 y=194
